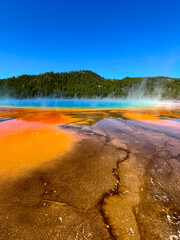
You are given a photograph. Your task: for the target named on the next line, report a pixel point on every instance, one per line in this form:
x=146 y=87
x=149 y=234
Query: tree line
x=86 y=84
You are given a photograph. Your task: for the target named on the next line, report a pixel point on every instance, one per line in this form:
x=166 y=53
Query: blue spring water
x=76 y=103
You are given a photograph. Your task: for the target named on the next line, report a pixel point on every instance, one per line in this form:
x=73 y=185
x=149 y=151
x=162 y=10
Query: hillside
x=87 y=84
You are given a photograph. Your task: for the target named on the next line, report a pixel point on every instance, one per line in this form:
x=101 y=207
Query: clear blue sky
x=114 y=38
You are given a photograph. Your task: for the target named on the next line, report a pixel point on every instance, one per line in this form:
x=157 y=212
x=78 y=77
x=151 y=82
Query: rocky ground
x=120 y=181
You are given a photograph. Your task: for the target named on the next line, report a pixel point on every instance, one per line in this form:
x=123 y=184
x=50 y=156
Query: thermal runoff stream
x=89 y=169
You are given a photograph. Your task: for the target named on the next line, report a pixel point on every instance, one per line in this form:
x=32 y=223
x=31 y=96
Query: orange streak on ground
x=146 y=115
x=140 y=116
x=49 y=117
x=159 y=117
x=25 y=144
x=34 y=137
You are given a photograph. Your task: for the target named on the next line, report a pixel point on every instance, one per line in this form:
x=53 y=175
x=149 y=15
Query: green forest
x=87 y=84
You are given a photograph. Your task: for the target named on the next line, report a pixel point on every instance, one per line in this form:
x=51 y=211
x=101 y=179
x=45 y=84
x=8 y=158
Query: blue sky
x=114 y=38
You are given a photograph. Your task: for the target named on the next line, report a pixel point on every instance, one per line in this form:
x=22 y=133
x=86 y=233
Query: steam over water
x=77 y=103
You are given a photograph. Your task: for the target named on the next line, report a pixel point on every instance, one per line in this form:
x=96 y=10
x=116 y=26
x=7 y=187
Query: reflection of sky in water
x=77 y=103
x=176 y=119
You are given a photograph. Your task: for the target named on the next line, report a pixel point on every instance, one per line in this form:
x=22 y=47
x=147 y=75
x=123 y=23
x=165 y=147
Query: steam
x=141 y=95
x=138 y=92
x=141 y=92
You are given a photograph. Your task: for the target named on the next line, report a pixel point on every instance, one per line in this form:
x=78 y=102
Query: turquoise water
x=76 y=103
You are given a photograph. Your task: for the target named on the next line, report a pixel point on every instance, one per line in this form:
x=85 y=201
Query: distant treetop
x=87 y=84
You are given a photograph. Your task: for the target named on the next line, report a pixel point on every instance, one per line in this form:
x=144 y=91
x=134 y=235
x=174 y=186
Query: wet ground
x=119 y=180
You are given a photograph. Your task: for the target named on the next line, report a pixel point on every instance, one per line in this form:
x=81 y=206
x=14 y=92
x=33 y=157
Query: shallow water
x=90 y=173
x=77 y=103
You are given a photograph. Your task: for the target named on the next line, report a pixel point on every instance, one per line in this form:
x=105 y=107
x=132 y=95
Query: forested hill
x=87 y=84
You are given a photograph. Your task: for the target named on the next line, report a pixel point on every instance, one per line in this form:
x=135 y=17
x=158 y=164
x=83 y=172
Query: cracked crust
x=119 y=182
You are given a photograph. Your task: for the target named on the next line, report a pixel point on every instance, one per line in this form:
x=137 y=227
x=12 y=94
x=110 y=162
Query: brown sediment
x=150 y=183
x=112 y=201
x=120 y=181
x=122 y=209
x=72 y=190
x=113 y=192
